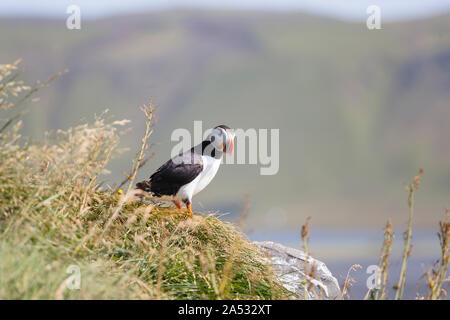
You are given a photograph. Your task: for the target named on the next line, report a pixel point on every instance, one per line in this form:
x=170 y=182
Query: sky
x=342 y=9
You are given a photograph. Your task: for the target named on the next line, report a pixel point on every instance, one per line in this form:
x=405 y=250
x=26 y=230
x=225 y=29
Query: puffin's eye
x=213 y=138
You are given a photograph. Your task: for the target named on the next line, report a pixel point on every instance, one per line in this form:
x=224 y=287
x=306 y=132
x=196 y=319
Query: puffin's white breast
x=210 y=167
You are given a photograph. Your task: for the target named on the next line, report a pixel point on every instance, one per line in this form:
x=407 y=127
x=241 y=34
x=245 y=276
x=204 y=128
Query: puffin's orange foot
x=178 y=204
x=189 y=209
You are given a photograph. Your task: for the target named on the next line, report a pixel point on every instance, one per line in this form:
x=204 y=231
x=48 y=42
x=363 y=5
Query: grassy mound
x=63 y=234
x=152 y=253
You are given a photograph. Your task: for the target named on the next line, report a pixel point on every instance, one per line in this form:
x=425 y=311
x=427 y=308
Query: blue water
x=340 y=249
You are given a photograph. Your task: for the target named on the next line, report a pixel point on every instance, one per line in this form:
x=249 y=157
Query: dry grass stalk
x=407 y=249
x=349 y=281
x=438 y=275
x=148 y=113
x=383 y=263
x=9 y=86
x=305 y=235
x=310 y=271
x=142 y=164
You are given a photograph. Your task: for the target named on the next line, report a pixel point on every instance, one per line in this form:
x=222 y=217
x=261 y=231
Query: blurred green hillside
x=359 y=111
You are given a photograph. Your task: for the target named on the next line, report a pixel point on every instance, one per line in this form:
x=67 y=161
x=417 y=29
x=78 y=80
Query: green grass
x=56 y=213
x=146 y=254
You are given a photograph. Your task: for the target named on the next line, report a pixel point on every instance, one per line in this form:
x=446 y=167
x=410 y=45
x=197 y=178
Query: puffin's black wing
x=174 y=174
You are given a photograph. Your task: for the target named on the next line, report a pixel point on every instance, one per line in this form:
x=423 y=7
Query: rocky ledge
x=301 y=274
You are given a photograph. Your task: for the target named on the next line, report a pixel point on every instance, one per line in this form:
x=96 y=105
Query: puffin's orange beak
x=224 y=146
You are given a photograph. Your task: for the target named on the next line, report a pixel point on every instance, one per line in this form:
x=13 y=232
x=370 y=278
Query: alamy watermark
x=374 y=20
x=73 y=22
x=73 y=282
x=373 y=281
x=251 y=146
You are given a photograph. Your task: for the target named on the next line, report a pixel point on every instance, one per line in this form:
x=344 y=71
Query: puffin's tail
x=144 y=185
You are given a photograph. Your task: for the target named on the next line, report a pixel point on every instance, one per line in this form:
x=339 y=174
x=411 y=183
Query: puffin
x=188 y=173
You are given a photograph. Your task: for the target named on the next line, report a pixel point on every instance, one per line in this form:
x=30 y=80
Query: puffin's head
x=221 y=138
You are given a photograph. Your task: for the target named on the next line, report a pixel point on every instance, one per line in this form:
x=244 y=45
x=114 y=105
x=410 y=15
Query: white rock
x=290 y=264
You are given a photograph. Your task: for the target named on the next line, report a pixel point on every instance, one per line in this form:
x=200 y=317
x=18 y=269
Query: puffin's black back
x=174 y=174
